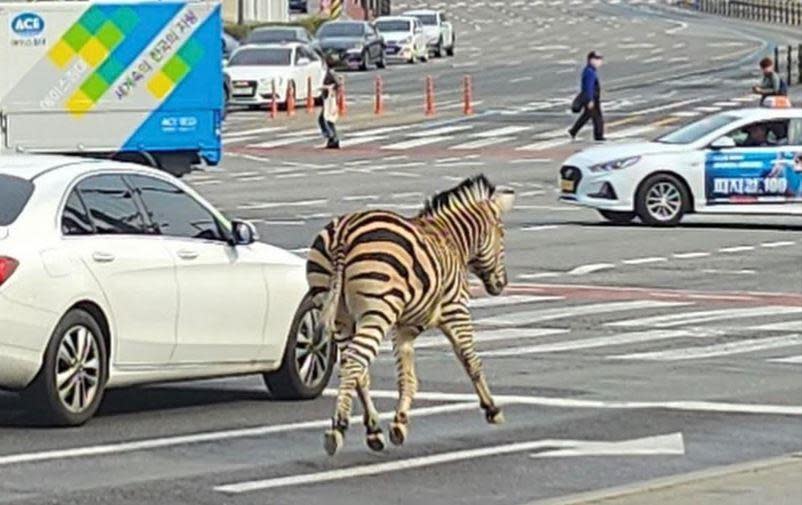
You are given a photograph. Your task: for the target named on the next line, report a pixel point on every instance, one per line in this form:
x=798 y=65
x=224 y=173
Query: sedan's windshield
x=341 y=30
x=393 y=26
x=14 y=194
x=427 y=19
x=272 y=35
x=695 y=131
x=261 y=57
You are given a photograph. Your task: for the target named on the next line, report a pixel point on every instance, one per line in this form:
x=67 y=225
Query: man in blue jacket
x=590 y=97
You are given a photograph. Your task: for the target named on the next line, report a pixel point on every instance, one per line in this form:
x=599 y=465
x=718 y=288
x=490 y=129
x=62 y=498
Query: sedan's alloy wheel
x=312 y=350
x=664 y=201
x=78 y=369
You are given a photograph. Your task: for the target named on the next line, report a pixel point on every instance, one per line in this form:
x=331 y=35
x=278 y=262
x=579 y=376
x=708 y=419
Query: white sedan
x=403 y=38
x=112 y=274
x=256 y=72
x=746 y=161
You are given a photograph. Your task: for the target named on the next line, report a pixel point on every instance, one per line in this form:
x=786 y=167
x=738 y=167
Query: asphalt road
x=620 y=354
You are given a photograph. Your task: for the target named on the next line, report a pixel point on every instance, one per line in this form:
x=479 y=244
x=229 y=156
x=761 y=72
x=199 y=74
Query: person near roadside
x=329 y=113
x=771 y=84
x=589 y=99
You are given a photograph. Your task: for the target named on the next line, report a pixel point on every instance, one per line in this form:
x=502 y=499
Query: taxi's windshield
x=696 y=130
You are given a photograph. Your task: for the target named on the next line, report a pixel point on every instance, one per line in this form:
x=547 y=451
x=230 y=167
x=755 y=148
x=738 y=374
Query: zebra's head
x=488 y=262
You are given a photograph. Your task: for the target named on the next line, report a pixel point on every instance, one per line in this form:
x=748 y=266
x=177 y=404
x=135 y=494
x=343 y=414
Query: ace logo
x=27 y=24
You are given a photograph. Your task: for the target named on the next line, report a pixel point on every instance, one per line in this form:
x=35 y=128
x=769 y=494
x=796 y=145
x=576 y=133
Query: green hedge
x=311 y=23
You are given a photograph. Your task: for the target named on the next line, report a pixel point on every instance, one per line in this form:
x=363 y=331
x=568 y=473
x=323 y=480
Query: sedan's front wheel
x=71 y=383
x=662 y=200
x=308 y=361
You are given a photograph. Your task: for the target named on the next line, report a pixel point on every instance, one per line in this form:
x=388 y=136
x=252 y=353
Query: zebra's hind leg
x=374 y=436
x=407 y=382
x=356 y=357
x=459 y=330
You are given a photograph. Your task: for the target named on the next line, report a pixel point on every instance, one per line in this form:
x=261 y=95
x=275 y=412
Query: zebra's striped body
x=374 y=272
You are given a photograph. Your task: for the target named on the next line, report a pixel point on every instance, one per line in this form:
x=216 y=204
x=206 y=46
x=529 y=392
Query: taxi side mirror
x=723 y=143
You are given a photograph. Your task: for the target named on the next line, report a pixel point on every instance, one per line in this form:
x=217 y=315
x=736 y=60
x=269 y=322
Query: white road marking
x=409 y=144
x=793 y=360
x=631 y=132
x=206 y=437
x=783 y=243
x=487 y=336
x=237 y=140
x=686 y=114
x=522 y=79
x=272 y=205
x=281 y=142
x=394 y=466
x=691 y=255
x=589 y=343
x=441 y=130
x=737 y=249
x=645 y=261
x=500 y=301
x=716 y=350
x=480 y=143
x=501 y=132
x=540 y=228
x=538 y=275
x=706 y=316
x=784 y=326
x=535 y=316
x=256 y=131
x=593 y=267
x=661 y=445
x=548 y=144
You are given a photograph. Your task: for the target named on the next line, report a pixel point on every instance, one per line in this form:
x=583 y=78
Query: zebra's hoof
x=376 y=441
x=333 y=442
x=398 y=433
x=494 y=416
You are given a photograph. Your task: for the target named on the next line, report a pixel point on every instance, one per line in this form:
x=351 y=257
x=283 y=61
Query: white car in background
x=254 y=71
x=746 y=161
x=113 y=274
x=440 y=36
x=403 y=38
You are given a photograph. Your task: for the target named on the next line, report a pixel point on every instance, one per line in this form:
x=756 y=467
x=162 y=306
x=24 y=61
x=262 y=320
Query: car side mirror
x=303 y=62
x=723 y=143
x=243 y=233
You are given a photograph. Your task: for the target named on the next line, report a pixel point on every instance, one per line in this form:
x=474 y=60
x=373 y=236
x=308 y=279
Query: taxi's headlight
x=407 y=41
x=615 y=164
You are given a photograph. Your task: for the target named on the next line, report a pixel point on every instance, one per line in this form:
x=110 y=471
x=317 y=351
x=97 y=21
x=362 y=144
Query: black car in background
x=279 y=34
x=354 y=44
x=299 y=6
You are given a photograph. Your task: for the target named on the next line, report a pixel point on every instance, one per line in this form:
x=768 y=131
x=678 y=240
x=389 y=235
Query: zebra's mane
x=471 y=191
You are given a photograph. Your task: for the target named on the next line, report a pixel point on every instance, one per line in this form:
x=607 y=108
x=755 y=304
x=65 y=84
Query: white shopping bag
x=331 y=112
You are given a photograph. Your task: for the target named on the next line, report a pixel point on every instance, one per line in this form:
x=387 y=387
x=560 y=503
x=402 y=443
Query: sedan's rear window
x=14 y=194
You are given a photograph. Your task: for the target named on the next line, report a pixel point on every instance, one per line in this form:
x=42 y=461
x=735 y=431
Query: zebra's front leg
x=374 y=436
x=356 y=357
x=407 y=382
x=459 y=330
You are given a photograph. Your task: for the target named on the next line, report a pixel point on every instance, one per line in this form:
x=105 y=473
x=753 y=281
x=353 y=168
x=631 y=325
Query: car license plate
x=567 y=186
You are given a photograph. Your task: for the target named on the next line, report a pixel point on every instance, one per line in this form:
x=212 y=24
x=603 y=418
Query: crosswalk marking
x=349 y=142
x=784 y=326
x=706 y=316
x=548 y=144
x=631 y=132
x=441 y=131
x=589 y=343
x=484 y=142
x=493 y=336
x=715 y=350
x=497 y=301
x=501 y=132
x=281 y=142
x=418 y=142
x=535 y=316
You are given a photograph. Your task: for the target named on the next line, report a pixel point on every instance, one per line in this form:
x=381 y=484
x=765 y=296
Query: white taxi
x=403 y=38
x=746 y=161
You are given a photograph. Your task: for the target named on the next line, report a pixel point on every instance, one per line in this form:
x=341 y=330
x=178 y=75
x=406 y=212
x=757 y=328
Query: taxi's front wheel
x=661 y=200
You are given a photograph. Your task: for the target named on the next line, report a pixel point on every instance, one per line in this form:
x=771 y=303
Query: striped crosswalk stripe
x=535 y=316
x=409 y=144
x=716 y=350
x=706 y=316
x=792 y=360
x=480 y=143
x=493 y=301
x=589 y=343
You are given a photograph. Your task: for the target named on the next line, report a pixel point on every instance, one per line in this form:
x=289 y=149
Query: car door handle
x=187 y=255
x=103 y=257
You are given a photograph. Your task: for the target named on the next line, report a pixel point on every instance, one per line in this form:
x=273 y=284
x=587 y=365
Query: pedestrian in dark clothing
x=329 y=111
x=590 y=98
x=771 y=84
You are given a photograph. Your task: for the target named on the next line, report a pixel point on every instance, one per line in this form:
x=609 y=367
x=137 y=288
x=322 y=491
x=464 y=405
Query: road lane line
x=783 y=243
x=716 y=350
x=706 y=316
x=536 y=316
x=272 y=205
x=589 y=343
x=645 y=261
x=212 y=436
x=792 y=360
x=500 y=301
x=691 y=255
x=736 y=249
x=418 y=142
x=588 y=269
x=544 y=227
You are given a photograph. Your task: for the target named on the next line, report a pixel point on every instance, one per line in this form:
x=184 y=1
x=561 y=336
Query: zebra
x=375 y=271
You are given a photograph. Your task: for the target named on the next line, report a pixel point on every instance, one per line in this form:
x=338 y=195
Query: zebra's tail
x=328 y=316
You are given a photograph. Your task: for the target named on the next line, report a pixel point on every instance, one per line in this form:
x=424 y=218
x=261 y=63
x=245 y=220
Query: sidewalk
x=771 y=482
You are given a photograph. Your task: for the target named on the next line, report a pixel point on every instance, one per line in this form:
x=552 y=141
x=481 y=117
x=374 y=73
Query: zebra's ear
x=505 y=199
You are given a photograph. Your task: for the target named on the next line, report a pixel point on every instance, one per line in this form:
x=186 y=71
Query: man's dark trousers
x=598 y=120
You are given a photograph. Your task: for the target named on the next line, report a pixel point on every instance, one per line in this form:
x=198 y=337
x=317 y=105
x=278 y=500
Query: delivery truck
x=132 y=81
